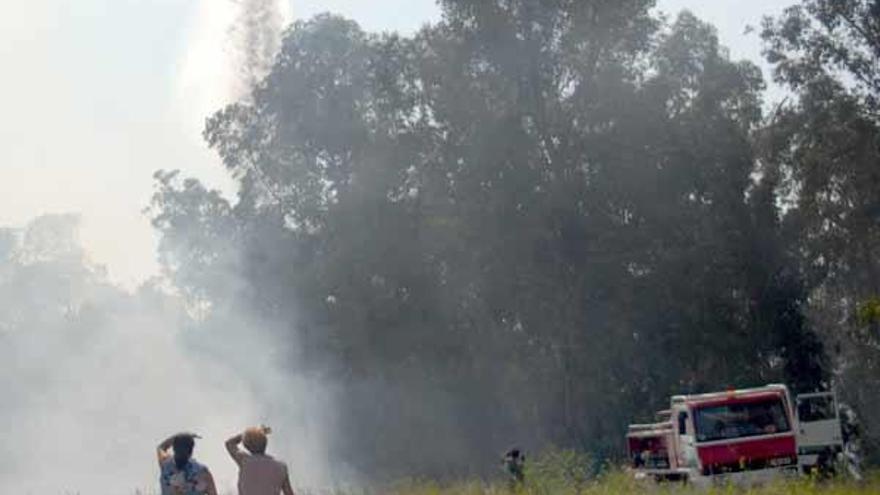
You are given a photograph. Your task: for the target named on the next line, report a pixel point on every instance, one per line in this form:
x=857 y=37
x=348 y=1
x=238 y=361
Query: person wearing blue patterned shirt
x=180 y=474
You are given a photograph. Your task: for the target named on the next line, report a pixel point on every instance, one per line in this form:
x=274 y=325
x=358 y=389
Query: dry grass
x=619 y=483
x=568 y=473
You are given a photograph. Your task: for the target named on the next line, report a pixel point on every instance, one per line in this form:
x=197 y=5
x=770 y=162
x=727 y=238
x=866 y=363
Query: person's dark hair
x=183 y=450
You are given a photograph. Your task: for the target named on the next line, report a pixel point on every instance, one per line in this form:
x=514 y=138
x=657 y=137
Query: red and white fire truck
x=742 y=436
x=652 y=451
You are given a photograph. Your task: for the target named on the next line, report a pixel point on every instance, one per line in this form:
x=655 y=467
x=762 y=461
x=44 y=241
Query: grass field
x=567 y=473
x=619 y=483
x=612 y=483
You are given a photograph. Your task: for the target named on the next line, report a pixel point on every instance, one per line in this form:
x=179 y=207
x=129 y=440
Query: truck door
x=686 y=452
x=819 y=428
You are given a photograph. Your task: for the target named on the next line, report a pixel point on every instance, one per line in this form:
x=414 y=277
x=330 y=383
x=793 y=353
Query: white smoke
x=232 y=44
x=93 y=378
x=256 y=39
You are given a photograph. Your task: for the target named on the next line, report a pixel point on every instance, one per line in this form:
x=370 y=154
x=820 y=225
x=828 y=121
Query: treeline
x=533 y=221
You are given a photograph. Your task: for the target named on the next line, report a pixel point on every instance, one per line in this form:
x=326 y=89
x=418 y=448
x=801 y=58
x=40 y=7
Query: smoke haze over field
x=405 y=254
x=100 y=376
x=139 y=78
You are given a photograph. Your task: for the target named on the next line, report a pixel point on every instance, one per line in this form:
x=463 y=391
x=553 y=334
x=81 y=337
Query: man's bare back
x=259 y=473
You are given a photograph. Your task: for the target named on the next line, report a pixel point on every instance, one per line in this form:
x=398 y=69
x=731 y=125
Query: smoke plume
x=95 y=377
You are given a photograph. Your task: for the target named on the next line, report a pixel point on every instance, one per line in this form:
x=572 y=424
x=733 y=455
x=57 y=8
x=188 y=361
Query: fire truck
x=741 y=436
x=652 y=451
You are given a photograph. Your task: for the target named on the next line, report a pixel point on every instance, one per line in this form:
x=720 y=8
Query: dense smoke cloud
x=99 y=376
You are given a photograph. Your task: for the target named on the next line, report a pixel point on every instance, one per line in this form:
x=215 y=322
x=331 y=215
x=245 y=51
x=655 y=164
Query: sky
x=96 y=95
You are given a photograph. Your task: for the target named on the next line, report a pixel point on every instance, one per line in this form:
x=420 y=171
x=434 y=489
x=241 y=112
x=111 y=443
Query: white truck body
x=820 y=436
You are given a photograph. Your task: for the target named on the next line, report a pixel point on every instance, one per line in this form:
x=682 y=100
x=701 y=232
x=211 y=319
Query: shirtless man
x=258 y=472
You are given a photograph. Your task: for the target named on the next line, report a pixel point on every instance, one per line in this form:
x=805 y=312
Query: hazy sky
x=98 y=94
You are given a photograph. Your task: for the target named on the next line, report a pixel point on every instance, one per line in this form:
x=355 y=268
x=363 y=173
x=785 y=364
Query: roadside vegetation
x=570 y=473
x=618 y=482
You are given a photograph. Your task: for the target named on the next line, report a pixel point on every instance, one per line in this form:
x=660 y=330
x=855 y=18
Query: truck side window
x=816 y=409
x=682 y=423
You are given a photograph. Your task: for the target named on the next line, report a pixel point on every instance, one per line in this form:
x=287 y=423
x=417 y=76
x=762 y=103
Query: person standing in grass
x=514 y=462
x=258 y=472
x=179 y=473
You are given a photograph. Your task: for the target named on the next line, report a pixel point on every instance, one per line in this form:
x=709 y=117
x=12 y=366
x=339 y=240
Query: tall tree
x=823 y=154
x=528 y=223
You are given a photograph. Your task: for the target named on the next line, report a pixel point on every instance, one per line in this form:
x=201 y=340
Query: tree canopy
x=822 y=154
x=532 y=221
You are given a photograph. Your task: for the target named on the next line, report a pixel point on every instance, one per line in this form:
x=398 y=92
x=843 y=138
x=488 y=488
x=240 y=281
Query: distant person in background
x=514 y=463
x=258 y=472
x=179 y=473
x=851 y=429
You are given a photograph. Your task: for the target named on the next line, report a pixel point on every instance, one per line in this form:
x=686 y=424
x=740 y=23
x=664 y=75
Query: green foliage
x=823 y=157
x=611 y=482
x=869 y=312
x=618 y=482
x=556 y=471
x=532 y=222
x=827 y=39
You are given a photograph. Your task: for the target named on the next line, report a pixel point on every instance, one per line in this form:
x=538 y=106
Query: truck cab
x=742 y=436
x=739 y=436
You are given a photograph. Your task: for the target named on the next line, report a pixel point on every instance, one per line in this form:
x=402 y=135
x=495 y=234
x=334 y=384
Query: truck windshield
x=738 y=420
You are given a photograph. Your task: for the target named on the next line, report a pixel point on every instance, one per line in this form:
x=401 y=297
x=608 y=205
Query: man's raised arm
x=162 y=450
x=234 y=451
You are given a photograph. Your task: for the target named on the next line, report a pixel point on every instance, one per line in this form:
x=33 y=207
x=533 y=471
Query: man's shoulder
x=280 y=466
x=269 y=460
